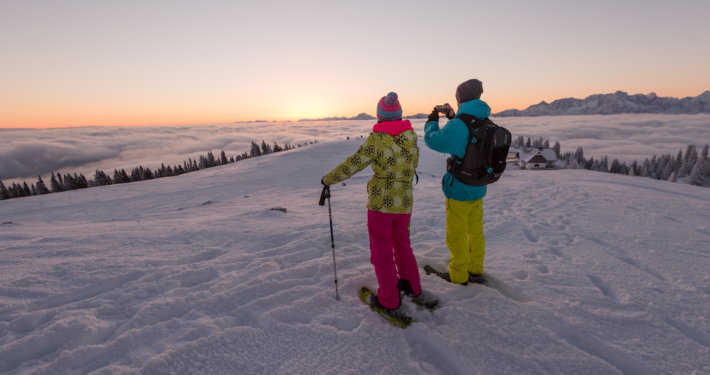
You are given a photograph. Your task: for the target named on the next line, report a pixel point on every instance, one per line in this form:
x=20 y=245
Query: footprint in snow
x=529 y=235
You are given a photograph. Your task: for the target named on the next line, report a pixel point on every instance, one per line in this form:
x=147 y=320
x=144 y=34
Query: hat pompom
x=391 y=98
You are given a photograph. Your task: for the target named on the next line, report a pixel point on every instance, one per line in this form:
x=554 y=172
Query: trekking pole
x=323 y=196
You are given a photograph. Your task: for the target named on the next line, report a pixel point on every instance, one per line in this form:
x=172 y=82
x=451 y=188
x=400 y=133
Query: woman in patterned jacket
x=392 y=151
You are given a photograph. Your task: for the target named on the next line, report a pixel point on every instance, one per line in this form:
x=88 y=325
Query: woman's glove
x=433 y=116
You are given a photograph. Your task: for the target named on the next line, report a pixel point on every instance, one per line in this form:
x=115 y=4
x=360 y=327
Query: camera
x=442 y=108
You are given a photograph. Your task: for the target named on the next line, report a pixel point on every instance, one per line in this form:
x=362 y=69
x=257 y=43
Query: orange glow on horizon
x=166 y=114
x=58 y=118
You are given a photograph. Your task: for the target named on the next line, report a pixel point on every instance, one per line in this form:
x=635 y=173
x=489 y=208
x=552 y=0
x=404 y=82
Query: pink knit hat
x=388 y=109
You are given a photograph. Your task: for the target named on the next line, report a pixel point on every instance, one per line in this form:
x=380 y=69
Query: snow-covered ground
x=592 y=273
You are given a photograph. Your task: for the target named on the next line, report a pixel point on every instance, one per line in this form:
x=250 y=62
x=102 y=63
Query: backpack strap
x=473 y=123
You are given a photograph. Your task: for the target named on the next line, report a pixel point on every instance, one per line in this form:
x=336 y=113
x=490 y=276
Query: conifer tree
x=696 y=177
x=56 y=187
x=691 y=156
x=615 y=166
x=83 y=182
x=124 y=177
x=557 y=148
x=69 y=183
x=211 y=160
x=623 y=169
x=116 y=176
x=644 y=169
x=223 y=158
x=101 y=178
x=679 y=164
x=528 y=144
x=34 y=190
x=632 y=169
x=579 y=155
x=605 y=165
x=26 y=189
x=4 y=194
x=666 y=172
x=148 y=174
x=169 y=171
x=255 y=151
x=594 y=165
x=41 y=187
x=60 y=180
x=231 y=159
x=136 y=174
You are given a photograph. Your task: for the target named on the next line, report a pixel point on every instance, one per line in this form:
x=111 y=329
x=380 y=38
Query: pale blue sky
x=74 y=63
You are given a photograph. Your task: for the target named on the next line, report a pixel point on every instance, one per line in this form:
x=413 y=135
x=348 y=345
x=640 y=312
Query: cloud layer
x=26 y=153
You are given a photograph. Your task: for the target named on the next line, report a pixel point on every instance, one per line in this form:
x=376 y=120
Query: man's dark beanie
x=469 y=90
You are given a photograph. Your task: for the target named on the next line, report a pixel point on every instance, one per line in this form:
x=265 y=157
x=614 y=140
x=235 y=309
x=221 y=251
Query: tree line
x=691 y=167
x=520 y=142
x=68 y=181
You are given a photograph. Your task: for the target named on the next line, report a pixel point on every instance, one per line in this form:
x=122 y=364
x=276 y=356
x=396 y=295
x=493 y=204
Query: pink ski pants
x=390 y=232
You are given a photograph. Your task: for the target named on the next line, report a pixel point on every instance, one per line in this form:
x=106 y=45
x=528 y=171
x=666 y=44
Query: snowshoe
x=477 y=278
x=444 y=275
x=422 y=302
x=393 y=316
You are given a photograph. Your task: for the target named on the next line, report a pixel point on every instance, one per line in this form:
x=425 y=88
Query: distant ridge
x=362 y=116
x=365 y=116
x=616 y=103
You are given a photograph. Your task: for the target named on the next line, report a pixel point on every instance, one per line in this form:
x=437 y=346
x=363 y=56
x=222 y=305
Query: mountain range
x=364 y=116
x=616 y=103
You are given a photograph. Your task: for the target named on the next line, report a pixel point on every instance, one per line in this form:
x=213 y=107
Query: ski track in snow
x=590 y=273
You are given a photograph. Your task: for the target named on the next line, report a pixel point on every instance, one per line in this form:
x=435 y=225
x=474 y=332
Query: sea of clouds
x=26 y=153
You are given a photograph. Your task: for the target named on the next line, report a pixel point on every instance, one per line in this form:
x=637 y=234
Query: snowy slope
x=593 y=274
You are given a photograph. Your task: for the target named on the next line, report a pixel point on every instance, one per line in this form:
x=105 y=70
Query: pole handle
x=323 y=195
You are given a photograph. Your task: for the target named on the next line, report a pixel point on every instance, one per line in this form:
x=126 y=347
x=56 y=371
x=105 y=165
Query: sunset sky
x=111 y=63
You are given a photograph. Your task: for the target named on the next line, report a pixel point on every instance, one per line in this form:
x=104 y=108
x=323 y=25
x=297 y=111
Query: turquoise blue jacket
x=452 y=139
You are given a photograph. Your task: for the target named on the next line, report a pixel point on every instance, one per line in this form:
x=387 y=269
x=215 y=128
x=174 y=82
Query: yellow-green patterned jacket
x=392 y=151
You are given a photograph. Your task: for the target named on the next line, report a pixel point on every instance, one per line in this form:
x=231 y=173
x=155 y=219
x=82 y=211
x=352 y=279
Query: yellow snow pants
x=464 y=238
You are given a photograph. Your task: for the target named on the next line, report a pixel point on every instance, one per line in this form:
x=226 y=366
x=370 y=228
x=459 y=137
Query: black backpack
x=487 y=150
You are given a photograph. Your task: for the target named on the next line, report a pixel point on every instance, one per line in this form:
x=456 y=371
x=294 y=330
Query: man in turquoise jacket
x=464 y=203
